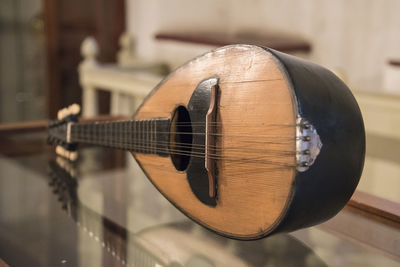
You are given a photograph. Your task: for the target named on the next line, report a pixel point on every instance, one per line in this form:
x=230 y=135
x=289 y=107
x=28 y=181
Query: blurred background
x=107 y=56
x=40 y=48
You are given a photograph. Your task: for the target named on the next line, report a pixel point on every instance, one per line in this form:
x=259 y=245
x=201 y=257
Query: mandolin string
x=217 y=157
x=281 y=138
x=196 y=146
x=113 y=142
x=184 y=152
x=242 y=126
x=90 y=137
x=217 y=134
x=198 y=123
x=249 y=167
x=194 y=154
x=221 y=148
x=186 y=145
x=214 y=155
x=237 y=124
x=213 y=134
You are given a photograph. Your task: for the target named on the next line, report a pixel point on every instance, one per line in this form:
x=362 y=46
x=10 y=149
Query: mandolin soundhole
x=180 y=146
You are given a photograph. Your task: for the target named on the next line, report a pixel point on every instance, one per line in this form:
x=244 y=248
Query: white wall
x=355 y=37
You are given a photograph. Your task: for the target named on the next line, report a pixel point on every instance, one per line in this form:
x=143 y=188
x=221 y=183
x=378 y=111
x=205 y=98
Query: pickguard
x=197 y=173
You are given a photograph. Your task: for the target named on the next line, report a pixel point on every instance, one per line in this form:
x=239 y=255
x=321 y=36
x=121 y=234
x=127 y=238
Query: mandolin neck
x=140 y=136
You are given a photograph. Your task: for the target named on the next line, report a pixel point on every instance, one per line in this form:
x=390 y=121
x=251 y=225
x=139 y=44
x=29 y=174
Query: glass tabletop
x=103 y=211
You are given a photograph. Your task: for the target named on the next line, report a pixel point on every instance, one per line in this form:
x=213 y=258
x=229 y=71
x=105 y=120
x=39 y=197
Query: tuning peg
x=59 y=115
x=73 y=155
x=74 y=109
x=60 y=151
x=64 y=113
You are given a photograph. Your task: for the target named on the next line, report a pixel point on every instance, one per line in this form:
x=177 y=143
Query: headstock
x=59 y=132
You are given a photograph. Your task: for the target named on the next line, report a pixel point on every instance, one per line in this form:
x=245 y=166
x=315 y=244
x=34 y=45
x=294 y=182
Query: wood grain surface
x=257 y=112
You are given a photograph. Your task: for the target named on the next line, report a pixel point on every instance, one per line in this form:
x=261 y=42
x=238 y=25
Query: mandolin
x=244 y=140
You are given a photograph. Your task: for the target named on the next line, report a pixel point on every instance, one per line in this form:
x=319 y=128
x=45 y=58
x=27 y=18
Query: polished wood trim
x=364 y=231
x=41 y=125
x=375 y=208
x=277 y=42
x=394 y=63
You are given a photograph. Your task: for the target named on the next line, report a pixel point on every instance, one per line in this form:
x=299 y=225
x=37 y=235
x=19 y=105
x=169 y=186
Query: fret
x=138 y=136
x=132 y=138
x=127 y=142
x=135 y=135
x=152 y=135
x=108 y=142
x=117 y=135
x=130 y=135
x=101 y=133
x=83 y=130
x=123 y=134
x=120 y=134
x=124 y=141
x=88 y=132
x=106 y=133
x=112 y=135
x=155 y=136
x=145 y=132
x=123 y=138
x=151 y=150
x=147 y=136
x=95 y=133
x=105 y=137
x=109 y=134
x=144 y=143
x=140 y=139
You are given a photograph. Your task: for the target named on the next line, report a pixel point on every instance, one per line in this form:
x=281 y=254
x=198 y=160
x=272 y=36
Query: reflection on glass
x=172 y=244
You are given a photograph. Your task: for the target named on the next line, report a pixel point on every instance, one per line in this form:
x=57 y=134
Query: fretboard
x=140 y=136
